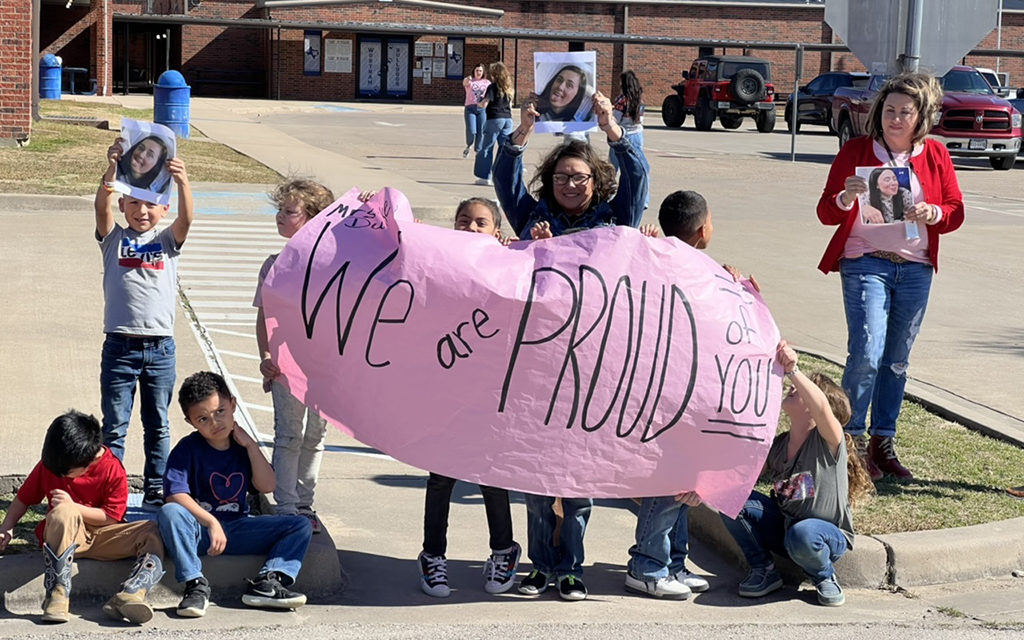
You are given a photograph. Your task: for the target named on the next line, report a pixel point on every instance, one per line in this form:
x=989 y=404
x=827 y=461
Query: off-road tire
x=703 y=114
x=766 y=120
x=730 y=120
x=672 y=113
x=748 y=86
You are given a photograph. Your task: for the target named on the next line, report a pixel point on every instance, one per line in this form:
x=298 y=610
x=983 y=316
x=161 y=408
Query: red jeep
x=723 y=87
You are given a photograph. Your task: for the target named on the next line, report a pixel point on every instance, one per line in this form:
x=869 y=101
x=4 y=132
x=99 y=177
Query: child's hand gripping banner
x=598 y=364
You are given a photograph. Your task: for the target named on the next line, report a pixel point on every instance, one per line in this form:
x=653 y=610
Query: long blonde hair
x=498 y=73
x=861 y=486
x=923 y=89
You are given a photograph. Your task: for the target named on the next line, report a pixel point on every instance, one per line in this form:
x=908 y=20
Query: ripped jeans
x=885 y=304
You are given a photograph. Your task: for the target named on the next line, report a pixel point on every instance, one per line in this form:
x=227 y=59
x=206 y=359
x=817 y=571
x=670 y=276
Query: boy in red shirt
x=87 y=491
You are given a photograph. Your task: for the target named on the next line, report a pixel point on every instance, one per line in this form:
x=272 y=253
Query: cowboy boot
x=130 y=603
x=861 y=443
x=882 y=451
x=57 y=581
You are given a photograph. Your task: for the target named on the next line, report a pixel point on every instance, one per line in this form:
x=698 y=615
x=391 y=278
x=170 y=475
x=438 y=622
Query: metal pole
x=999 y=33
x=915 y=17
x=127 y=62
x=794 y=110
x=279 y=62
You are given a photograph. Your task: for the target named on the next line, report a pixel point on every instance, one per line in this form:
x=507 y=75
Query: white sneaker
x=661 y=588
x=697 y=584
x=485 y=182
x=500 y=569
x=465 y=152
x=434 y=575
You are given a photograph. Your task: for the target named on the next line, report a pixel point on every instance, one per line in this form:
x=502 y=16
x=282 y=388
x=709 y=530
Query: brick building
x=405 y=50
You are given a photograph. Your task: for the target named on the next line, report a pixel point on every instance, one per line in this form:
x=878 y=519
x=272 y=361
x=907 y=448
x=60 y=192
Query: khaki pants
x=65 y=527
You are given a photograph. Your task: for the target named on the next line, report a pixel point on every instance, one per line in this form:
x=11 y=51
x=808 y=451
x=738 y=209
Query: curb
x=94 y=581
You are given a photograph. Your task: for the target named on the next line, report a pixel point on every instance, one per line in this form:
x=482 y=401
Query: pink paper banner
x=601 y=364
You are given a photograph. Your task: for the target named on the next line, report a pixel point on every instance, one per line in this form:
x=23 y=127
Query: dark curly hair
x=200 y=386
x=602 y=173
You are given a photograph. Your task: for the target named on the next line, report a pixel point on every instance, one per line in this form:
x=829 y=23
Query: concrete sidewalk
x=53 y=327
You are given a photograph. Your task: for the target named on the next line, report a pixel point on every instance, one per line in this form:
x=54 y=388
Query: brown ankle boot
x=882 y=452
x=861 y=442
x=57 y=581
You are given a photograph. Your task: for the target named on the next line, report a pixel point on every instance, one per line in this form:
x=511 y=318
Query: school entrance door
x=385 y=68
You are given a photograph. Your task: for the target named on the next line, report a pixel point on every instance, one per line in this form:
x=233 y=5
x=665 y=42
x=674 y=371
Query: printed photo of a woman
x=561 y=98
x=143 y=162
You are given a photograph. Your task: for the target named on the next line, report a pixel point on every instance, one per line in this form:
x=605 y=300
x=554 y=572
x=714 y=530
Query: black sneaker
x=196 y=599
x=267 y=591
x=571 y=588
x=153 y=499
x=534 y=584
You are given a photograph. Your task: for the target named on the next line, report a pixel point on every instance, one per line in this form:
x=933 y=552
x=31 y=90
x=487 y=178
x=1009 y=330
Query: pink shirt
x=475 y=91
x=865 y=238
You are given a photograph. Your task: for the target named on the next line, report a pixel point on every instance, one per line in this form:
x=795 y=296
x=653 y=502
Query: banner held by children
x=601 y=363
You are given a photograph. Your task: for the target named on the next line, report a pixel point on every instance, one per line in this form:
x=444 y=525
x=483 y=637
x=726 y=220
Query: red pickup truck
x=974 y=121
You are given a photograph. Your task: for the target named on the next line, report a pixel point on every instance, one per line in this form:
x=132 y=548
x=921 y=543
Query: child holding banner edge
x=475 y=215
x=657 y=560
x=808 y=516
x=299 y=432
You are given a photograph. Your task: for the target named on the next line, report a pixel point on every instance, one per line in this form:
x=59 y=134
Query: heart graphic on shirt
x=227 y=488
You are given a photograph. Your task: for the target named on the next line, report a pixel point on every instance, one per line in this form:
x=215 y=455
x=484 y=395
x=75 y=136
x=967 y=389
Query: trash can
x=49 y=77
x=171 y=98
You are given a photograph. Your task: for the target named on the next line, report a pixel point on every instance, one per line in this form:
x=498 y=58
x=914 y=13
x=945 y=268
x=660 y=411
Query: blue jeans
x=637 y=140
x=150 y=363
x=475 y=119
x=567 y=558
x=760 y=528
x=885 y=304
x=283 y=539
x=662 y=539
x=495 y=131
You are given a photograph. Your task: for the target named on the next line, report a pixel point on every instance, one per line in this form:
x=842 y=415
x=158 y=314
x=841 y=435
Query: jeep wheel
x=672 y=113
x=1002 y=163
x=766 y=120
x=703 y=115
x=845 y=131
x=747 y=86
x=730 y=120
x=789 y=121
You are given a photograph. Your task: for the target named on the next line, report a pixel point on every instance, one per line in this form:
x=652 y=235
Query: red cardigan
x=933 y=168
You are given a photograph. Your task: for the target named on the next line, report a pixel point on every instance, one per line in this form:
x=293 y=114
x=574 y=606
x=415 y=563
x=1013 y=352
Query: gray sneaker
x=830 y=594
x=666 y=587
x=760 y=582
x=697 y=584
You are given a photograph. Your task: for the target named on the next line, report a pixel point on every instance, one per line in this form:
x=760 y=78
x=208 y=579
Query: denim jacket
x=523 y=211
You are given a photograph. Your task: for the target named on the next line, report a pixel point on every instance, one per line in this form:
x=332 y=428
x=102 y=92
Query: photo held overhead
x=142 y=170
x=602 y=363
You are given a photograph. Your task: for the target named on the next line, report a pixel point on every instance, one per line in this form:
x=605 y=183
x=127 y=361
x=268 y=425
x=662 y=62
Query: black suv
x=815 y=97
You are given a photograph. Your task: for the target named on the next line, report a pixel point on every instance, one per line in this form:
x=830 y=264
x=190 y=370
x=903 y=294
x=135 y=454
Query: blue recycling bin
x=171 y=98
x=49 y=77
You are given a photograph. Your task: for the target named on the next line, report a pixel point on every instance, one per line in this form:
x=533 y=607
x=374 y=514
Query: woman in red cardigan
x=886 y=269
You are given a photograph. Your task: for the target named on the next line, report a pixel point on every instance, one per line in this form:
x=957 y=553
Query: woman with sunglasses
x=574 y=188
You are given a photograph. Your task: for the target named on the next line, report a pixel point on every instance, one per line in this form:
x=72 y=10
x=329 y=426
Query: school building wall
x=225 y=61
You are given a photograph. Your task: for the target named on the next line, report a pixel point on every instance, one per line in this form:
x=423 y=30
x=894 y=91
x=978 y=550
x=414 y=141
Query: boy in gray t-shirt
x=140 y=281
x=808 y=515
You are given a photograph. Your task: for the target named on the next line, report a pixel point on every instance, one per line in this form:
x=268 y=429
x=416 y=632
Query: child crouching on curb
x=808 y=515
x=87 y=491
x=209 y=475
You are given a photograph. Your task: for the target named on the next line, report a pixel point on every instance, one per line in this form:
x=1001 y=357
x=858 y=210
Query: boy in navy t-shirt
x=209 y=474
